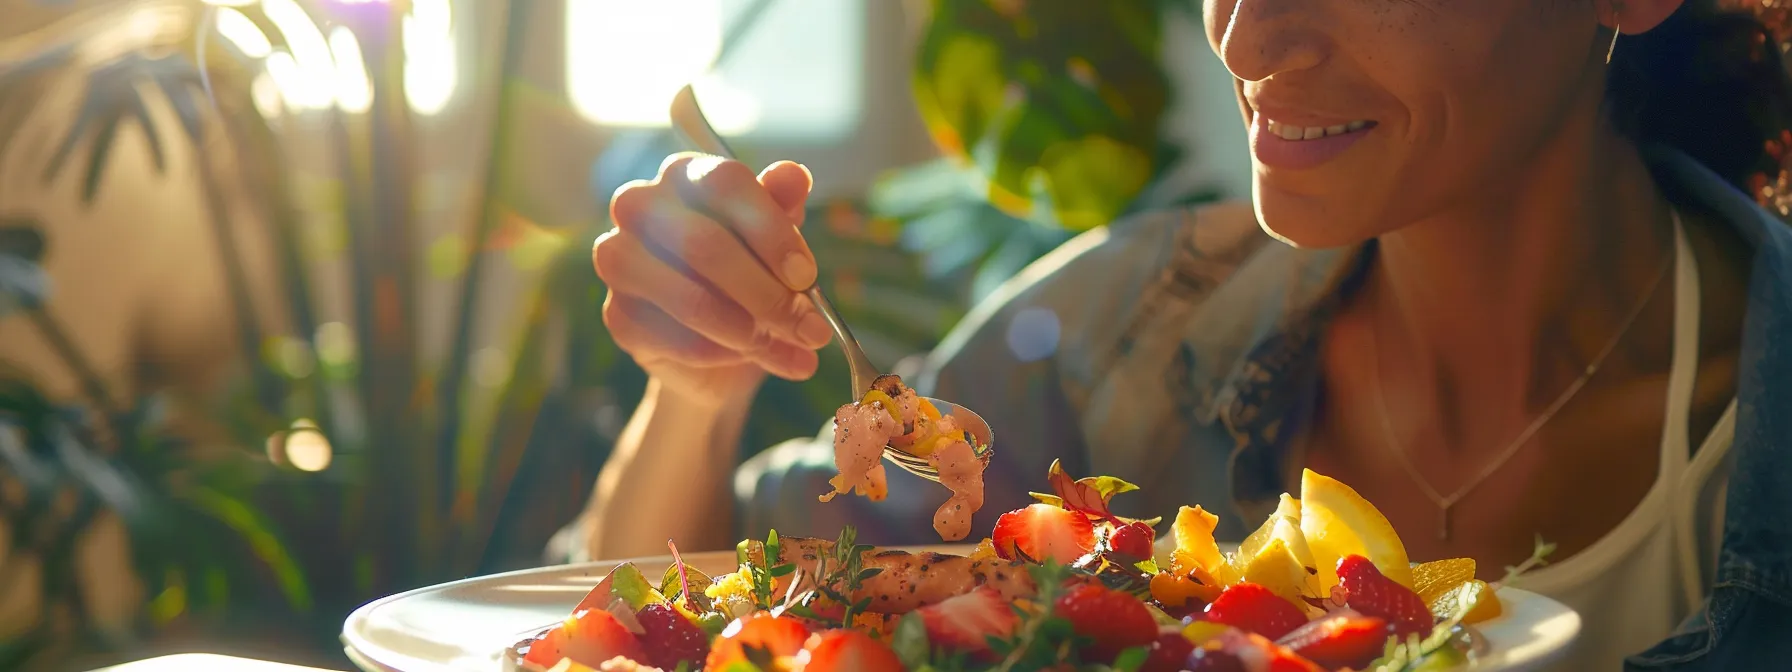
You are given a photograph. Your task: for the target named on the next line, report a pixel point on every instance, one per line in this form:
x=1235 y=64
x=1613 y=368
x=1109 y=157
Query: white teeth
x=1291 y=132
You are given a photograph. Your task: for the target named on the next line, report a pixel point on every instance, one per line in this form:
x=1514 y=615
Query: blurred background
x=296 y=307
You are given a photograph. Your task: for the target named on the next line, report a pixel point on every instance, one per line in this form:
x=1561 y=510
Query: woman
x=1509 y=288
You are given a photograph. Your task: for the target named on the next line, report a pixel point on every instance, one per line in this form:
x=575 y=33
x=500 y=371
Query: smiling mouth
x=1292 y=132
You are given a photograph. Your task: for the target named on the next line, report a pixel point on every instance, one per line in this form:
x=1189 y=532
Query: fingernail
x=799 y=271
x=814 y=330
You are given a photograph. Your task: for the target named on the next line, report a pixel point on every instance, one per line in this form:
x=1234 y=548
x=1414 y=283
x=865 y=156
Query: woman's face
x=1403 y=109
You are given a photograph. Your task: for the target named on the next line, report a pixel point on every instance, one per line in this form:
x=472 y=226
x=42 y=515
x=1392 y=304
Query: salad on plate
x=1062 y=584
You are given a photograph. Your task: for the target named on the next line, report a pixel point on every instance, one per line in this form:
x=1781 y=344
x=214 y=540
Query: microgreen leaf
x=909 y=641
x=1131 y=659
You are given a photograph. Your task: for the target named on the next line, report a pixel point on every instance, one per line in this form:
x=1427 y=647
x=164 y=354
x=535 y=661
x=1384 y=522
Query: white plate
x=467 y=625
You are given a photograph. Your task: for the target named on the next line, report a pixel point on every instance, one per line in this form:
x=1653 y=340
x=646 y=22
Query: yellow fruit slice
x=878 y=397
x=1275 y=568
x=1196 y=548
x=1487 y=602
x=1432 y=579
x=1200 y=632
x=1287 y=509
x=928 y=410
x=1338 y=522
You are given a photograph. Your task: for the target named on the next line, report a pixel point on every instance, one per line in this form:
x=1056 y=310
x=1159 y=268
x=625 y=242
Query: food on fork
x=892 y=414
x=1062 y=584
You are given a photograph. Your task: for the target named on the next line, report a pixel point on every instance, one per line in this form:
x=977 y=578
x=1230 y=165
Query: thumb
x=788 y=183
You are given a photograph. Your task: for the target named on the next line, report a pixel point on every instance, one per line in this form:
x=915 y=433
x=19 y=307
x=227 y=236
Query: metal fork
x=688 y=118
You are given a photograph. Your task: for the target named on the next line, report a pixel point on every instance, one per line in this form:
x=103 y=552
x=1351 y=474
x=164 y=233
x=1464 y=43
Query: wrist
x=709 y=404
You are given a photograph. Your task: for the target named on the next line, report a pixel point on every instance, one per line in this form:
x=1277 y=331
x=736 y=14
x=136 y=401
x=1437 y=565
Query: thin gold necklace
x=1444 y=504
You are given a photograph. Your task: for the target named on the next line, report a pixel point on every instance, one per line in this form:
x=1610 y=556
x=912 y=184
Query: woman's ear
x=1636 y=17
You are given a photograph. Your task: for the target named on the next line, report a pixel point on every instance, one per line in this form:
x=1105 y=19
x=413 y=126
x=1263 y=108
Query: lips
x=1282 y=145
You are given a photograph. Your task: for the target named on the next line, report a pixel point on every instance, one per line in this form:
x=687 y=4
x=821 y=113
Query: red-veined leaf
x=1078 y=496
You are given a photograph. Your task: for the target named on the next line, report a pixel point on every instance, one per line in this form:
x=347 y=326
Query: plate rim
x=362 y=651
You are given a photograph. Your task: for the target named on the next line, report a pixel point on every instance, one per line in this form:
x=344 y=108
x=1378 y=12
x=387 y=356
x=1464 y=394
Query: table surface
x=206 y=662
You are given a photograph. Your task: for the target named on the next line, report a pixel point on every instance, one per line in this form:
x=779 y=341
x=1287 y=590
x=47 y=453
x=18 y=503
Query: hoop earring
x=1617 y=29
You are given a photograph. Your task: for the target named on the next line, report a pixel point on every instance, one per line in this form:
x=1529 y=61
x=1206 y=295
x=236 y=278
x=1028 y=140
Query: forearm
x=670 y=477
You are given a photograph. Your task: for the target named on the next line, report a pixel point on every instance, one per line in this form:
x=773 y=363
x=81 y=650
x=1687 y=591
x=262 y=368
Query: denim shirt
x=1179 y=350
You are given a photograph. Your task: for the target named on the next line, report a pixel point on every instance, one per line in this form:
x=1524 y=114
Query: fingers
x=646 y=332
x=632 y=269
x=649 y=334
x=730 y=193
x=706 y=267
x=655 y=222
x=628 y=267
x=788 y=183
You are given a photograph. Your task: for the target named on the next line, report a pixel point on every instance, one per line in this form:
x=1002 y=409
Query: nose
x=1262 y=38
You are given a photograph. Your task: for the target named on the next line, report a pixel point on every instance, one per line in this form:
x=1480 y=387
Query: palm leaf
x=23 y=283
x=114 y=97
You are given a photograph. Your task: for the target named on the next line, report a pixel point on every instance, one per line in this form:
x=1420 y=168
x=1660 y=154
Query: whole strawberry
x=670 y=638
x=1116 y=620
x=1372 y=594
x=1253 y=608
x=1132 y=540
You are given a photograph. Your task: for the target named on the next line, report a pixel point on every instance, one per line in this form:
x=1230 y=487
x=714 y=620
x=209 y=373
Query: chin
x=1308 y=221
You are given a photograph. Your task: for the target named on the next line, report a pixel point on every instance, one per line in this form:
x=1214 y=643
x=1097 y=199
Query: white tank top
x=1633 y=586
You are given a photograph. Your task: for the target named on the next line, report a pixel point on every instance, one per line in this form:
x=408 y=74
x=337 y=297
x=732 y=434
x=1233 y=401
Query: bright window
x=797 y=73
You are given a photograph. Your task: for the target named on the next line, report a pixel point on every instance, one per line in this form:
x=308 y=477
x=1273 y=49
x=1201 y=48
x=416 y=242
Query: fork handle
x=856 y=362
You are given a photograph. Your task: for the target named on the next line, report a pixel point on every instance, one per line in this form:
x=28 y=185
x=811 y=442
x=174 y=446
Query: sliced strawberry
x=1373 y=594
x=1251 y=607
x=670 y=638
x=1132 y=540
x=963 y=623
x=1231 y=649
x=1116 y=621
x=1044 y=532
x=589 y=638
x=1168 y=654
x=849 y=651
x=777 y=636
x=1340 y=640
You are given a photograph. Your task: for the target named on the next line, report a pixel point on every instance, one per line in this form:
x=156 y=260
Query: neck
x=1503 y=301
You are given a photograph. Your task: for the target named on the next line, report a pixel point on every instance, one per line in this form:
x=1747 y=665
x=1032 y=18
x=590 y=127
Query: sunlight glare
x=266 y=95
x=354 y=93
x=664 y=45
x=242 y=32
x=288 y=79
x=430 y=71
x=315 y=70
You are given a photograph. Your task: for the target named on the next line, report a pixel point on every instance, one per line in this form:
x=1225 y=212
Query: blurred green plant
x=1049 y=118
x=1057 y=103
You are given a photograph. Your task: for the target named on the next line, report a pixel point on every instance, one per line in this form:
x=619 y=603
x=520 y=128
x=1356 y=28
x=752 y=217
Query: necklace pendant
x=1443 y=523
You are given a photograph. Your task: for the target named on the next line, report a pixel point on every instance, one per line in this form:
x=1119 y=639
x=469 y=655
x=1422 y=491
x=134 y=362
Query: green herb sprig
x=1042 y=639
x=839 y=576
x=764 y=573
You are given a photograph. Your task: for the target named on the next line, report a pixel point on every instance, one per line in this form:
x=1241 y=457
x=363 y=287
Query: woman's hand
x=705 y=270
